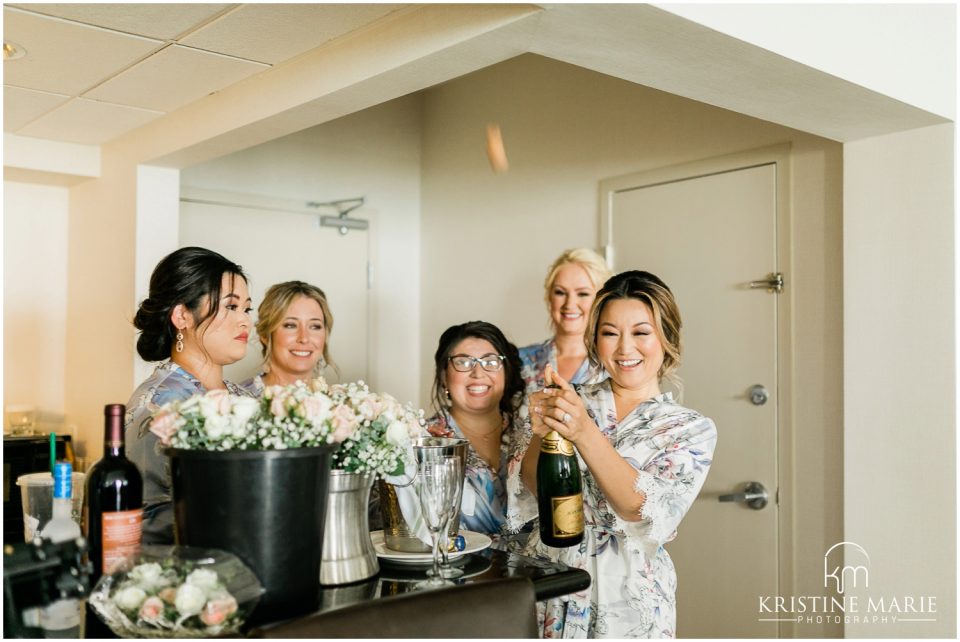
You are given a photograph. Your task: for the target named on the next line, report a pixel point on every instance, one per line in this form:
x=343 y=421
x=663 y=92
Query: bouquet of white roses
x=178 y=592
x=379 y=430
x=292 y=416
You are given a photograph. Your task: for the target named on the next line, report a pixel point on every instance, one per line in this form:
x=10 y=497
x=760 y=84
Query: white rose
x=190 y=599
x=130 y=598
x=147 y=575
x=204 y=578
x=397 y=433
x=216 y=426
x=244 y=408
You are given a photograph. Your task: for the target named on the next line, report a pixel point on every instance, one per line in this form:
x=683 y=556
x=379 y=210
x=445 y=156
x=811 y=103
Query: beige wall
x=489 y=238
x=35 y=222
x=899 y=353
x=374 y=153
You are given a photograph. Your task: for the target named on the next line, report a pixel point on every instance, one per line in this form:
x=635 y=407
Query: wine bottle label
x=554 y=444
x=121 y=538
x=567 y=515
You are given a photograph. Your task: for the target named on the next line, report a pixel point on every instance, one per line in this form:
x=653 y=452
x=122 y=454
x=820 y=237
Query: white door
x=276 y=246
x=707 y=237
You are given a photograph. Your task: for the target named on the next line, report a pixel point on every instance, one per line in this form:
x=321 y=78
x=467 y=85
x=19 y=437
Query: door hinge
x=369 y=275
x=773 y=283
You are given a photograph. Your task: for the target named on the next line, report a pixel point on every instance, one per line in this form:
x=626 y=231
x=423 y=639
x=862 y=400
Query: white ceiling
x=93 y=72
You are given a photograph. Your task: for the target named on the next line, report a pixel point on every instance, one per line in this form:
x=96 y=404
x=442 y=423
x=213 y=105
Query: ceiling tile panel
x=65 y=57
x=163 y=82
x=273 y=33
x=164 y=21
x=20 y=106
x=88 y=122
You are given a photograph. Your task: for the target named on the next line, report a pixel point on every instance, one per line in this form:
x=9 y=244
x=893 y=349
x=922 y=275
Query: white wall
x=35 y=228
x=374 y=153
x=906 y=51
x=488 y=239
x=899 y=379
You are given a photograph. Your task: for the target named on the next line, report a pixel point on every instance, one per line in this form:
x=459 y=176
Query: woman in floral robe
x=643 y=458
x=569 y=289
x=195 y=320
x=478 y=394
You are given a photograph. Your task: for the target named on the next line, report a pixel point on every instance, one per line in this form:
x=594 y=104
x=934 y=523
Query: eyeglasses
x=489 y=362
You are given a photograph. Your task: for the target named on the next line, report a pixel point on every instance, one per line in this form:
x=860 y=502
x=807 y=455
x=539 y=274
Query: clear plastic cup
x=36 y=491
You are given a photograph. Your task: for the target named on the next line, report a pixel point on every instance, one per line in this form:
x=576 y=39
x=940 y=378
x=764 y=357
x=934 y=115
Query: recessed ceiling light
x=12 y=51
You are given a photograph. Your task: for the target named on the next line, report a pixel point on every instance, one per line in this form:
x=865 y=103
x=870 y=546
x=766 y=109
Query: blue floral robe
x=169 y=382
x=488 y=486
x=534 y=358
x=633 y=582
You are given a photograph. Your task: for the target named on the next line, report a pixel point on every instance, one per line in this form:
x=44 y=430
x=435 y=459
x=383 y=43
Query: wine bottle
x=61 y=619
x=559 y=492
x=114 y=501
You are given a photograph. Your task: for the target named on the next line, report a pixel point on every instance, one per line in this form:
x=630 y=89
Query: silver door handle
x=754 y=495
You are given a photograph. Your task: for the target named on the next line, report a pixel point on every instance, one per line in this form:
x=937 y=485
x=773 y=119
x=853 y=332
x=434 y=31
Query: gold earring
x=179 y=341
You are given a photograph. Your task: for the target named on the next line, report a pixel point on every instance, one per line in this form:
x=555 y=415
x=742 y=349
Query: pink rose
x=370 y=407
x=315 y=408
x=278 y=406
x=164 y=426
x=222 y=400
x=216 y=611
x=168 y=595
x=344 y=422
x=151 y=608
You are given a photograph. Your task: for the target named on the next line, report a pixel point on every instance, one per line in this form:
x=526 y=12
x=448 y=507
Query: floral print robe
x=169 y=382
x=489 y=486
x=633 y=582
x=534 y=358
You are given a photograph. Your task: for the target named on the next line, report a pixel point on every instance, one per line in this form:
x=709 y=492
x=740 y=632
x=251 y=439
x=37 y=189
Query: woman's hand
x=559 y=408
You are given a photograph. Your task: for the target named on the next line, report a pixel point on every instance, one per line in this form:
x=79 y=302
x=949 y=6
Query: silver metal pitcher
x=348 y=553
x=397 y=535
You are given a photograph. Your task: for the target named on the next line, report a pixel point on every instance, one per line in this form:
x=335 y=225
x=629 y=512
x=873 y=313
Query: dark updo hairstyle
x=191 y=276
x=646 y=287
x=513 y=382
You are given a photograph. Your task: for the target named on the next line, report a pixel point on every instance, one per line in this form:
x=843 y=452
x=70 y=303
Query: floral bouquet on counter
x=177 y=592
x=294 y=416
x=379 y=431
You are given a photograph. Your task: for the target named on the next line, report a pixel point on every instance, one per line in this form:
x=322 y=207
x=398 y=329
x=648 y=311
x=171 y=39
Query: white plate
x=474 y=542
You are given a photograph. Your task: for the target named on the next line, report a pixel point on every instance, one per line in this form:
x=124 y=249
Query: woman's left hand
x=561 y=409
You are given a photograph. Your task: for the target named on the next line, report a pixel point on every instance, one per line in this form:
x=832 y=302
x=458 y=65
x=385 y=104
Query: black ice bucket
x=265 y=506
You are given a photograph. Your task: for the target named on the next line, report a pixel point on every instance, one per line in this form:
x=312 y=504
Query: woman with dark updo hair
x=195 y=321
x=478 y=396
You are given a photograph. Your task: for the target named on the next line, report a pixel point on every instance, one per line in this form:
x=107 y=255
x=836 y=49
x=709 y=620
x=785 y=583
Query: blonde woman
x=293 y=323
x=570 y=288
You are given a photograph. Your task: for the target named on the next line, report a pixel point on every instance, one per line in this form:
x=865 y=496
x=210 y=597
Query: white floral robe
x=633 y=582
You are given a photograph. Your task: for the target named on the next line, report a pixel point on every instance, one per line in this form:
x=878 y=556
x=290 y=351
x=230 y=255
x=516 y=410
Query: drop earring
x=179 y=341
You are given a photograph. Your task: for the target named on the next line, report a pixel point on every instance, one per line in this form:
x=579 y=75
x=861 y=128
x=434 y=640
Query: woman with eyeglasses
x=569 y=290
x=478 y=394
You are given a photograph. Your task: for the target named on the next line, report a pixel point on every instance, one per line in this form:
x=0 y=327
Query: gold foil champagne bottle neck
x=554 y=443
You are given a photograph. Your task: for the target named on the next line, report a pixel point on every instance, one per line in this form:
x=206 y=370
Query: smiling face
x=629 y=347
x=297 y=343
x=478 y=391
x=571 y=295
x=224 y=336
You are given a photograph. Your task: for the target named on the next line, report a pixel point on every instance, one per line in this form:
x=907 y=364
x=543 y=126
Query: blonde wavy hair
x=273 y=310
x=594 y=265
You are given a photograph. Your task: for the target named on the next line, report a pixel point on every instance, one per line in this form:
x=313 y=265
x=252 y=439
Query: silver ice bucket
x=397 y=535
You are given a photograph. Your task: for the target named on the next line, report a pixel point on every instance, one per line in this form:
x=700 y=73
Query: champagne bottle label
x=554 y=444
x=121 y=538
x=567 y=515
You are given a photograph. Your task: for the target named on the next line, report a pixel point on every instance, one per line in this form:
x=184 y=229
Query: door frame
x=779 y=156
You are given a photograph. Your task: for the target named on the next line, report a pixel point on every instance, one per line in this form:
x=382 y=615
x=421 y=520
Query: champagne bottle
x=114 y=500
x=559 y=492
x=61 y=619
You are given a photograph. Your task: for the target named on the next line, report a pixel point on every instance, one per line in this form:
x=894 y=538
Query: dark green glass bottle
x=559 y=492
